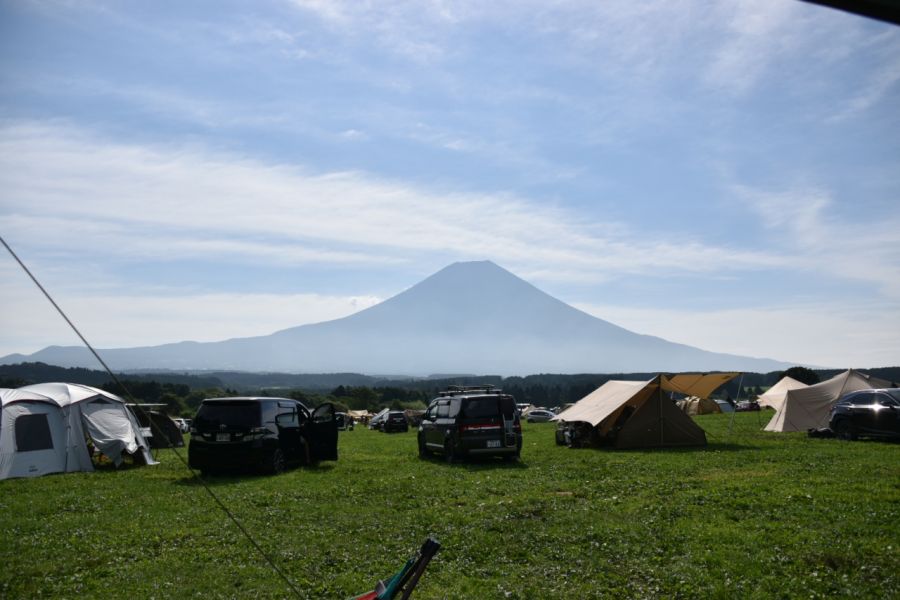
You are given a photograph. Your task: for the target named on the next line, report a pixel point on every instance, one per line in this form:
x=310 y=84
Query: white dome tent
x=44 y=429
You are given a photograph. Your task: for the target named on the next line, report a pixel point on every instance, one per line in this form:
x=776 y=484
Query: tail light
x=478 y=427
x=256 y=433
x=517 y=427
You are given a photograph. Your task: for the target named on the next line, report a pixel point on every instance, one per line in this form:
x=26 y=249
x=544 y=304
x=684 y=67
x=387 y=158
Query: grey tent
x=45 y=428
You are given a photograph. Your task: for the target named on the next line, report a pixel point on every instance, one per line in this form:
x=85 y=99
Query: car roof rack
x=461 y=390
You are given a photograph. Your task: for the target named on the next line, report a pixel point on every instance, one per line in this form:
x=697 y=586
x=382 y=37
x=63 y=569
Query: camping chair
x=407 y=578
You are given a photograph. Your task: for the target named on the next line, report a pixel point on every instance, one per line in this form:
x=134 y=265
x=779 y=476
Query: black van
x=467 y=421
x=265 y=433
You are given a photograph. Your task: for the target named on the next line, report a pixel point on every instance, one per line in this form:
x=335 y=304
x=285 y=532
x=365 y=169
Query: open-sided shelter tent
x=774 y=396
x=809 y=407
x=164 y=433
x=640 y=414
x=44 y=429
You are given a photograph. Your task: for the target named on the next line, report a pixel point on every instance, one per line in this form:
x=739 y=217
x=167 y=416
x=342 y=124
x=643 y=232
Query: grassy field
x=753 y=515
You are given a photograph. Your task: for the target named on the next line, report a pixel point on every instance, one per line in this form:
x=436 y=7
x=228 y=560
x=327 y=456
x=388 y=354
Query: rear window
x=230 y=414
x=489 y=406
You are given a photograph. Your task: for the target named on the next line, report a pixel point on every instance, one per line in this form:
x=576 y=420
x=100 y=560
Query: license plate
x=493 y=443
x=223 y=437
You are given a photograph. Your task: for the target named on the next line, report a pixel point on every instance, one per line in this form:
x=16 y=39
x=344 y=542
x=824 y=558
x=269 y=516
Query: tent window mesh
x=33 y=433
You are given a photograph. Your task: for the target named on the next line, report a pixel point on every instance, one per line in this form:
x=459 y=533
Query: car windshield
x=229 y=414
x=894 y=393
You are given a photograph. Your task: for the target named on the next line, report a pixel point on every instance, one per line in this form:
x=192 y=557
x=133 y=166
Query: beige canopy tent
x=809 y=408
x=701 y=385
x=774 y=396
x=640 y=414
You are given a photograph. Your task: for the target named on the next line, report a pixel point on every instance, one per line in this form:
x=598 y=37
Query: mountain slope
x=470 y=317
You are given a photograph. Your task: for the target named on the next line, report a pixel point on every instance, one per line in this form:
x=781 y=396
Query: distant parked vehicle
x=539 y=415
x=182 y=424
x=394 y=421
x=746 y=406
x=375 y=422
x=344 y=421
x=465 y=421
x=867 y=413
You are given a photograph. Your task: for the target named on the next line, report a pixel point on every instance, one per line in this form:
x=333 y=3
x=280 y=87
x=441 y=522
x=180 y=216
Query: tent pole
x=734 y=408
x=68 y=439
x=662 y=423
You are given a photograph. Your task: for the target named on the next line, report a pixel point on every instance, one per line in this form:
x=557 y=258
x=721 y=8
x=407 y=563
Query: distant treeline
x=181 y=393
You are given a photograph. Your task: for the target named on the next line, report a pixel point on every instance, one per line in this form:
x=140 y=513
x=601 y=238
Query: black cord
x=209 y=491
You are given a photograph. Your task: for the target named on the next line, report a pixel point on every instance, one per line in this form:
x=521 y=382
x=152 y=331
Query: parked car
x=539 y=415
x=463 y=422
x=265 y=433
x=867 y=413
x=746 y=406
x=375 y=422
x=395 y=420
x=344 y=421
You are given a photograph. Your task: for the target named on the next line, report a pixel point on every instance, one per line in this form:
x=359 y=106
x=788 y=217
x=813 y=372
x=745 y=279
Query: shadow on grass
x=229 y=476
x=478 y=463
x=720 y=446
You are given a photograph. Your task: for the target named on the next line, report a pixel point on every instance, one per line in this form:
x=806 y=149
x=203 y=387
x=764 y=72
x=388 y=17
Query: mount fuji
x=471 y=317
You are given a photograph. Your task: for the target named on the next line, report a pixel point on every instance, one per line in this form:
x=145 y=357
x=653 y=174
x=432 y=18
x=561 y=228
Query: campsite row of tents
x=55 y=427
x=641 y=414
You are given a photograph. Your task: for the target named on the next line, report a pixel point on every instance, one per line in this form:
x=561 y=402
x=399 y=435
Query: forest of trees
x=181 y=393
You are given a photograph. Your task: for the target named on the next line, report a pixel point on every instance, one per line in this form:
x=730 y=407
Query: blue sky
x=725 y=175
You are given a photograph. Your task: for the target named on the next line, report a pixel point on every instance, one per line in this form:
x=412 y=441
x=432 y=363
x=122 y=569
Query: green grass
x=753 y=515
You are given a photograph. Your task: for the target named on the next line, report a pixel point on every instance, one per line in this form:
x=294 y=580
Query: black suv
x=467 y=421
x=267 y=433
x=395 y=420
x=870 y=413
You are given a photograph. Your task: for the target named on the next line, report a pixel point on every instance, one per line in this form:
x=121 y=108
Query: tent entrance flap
x=658 y=423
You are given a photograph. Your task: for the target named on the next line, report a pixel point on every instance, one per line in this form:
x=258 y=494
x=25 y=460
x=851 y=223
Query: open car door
x=323 y=434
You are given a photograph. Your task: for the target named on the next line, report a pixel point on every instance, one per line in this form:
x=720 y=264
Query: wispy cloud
x=807 y=224
x=876 y=88
x=191 y=202
x=110 y=316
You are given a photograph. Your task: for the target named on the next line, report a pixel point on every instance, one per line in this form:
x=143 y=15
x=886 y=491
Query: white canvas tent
x=44 y=429
x=809 y=407
x=774 y=396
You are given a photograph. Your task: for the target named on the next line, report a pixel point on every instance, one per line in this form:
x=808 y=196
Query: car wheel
x=844 y=429
x=449 y=451
x=423 y=449
x=275 y=463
